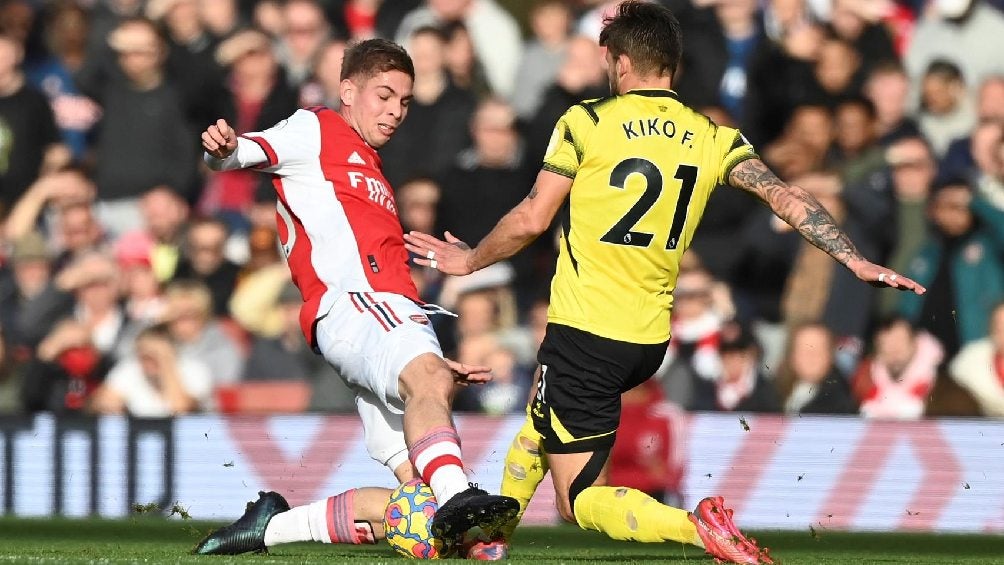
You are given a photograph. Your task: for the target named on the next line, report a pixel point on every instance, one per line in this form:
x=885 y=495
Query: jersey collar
x=654 y=93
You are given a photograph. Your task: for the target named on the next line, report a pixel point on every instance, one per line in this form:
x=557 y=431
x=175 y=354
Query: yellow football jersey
x=644 y=166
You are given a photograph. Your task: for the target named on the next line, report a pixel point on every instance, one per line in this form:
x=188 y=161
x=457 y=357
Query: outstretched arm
x=803 y=212
x=226 y=151
x=517 y=229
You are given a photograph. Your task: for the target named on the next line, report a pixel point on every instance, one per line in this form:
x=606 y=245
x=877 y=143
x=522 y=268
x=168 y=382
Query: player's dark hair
x=373 y=56
x=649 y=34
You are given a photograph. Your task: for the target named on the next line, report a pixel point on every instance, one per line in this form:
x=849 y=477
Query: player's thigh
x=576 y=408
x=370 y=337
x=574 y=472
x=383 y=434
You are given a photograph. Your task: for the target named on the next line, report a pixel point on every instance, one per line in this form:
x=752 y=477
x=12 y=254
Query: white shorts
x=369 y=338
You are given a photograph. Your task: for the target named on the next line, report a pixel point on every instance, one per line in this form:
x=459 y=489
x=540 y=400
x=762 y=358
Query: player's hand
x=469 y=374
x=451 y=256
x=219 y=139
x=879 y=276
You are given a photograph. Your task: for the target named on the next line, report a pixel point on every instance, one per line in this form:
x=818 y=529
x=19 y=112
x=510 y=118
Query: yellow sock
x=629 y=514
x=524 y=469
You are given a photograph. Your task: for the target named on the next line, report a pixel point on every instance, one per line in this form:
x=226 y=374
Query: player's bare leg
x=427 y=386
x=623 y=513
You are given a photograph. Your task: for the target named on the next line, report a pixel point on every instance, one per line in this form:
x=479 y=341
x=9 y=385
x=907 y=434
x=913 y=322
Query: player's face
x=376 y=106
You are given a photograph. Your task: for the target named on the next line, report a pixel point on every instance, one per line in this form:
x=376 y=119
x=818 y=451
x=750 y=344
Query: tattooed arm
x=517 y=229
x=804 y=213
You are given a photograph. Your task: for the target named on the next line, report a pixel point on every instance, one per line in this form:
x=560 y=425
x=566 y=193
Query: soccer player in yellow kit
x=636 y=169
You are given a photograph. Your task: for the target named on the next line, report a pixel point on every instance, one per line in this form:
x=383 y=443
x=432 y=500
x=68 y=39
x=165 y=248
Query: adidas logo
x=355 y=159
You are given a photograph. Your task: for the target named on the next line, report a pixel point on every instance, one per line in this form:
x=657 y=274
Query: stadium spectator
x=417 y=200
x=144 y=100
x=466 y=70
x=837 y=71
x=945 y=110
x=485 y=182
x=860 y=23
x=188 y=316
x=493 y=32
x=716 y=57
x=427 y=143
x=961 y=265
x=543 y=55
x=141 y=291
x=257 y=98
x=888 y=87
x=365 y=19
x=27 y=281
x=808 y=381
x=10 y=381
x=979 y=367
x=156 y=382
x=648 y=454
x=509 y=387
x=267 y=16
x=285 y=355
x=817 y=291
x=580 y=77
x=259 y=285
x=741 y=385
x=692 y=355
x=89 y=292
x=804 y=144
x=780 y=79
x=897 y=379
x=204 y=260
x=988 y=153
x=165 y=215
x=967 y=32
x=912 y=170
x=322 y=88
x=66 y=26
x=66 y=372
x=305 y=29
x=189 y=56
x=59 y=204
x=222 y=18
x=29 y=140
x=958 y=160
x=856 y=153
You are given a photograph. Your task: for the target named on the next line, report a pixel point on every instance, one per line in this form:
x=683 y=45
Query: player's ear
x=624 y=65
x=347 y=92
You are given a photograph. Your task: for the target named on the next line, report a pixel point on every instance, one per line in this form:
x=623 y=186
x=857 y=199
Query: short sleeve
x=735 y=149
x=289 y=142
x=564 y=150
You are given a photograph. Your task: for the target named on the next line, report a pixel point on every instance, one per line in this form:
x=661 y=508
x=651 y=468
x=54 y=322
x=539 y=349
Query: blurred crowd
x=135 y=281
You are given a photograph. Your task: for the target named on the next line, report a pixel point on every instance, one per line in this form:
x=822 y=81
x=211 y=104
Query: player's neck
x=632 y=82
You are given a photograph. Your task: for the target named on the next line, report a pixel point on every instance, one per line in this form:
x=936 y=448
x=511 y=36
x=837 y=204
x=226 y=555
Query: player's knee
x=427 y=379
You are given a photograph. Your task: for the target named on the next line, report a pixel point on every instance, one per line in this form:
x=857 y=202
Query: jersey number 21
x=621 y=233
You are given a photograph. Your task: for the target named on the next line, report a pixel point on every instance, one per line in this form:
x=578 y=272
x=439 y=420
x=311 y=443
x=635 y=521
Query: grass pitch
x=152 y=540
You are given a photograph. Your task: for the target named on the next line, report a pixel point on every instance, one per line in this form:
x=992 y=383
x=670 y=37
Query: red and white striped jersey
x=337 y=219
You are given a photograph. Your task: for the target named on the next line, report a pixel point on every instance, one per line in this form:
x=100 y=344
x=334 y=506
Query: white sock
x=436 y=456
x=303 y=523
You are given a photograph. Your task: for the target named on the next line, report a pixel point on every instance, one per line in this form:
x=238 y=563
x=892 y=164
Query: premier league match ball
x=408 y=518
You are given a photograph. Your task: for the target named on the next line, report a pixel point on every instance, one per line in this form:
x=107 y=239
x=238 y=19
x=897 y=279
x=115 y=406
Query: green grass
x=152 y=540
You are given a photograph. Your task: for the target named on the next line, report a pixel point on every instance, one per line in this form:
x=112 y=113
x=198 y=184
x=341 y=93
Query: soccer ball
x=407 y=519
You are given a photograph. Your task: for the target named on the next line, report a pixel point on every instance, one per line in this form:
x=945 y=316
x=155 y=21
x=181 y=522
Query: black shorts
x=578 y=404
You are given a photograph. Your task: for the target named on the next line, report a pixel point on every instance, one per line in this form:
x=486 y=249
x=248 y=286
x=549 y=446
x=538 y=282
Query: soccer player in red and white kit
x=340 y=232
